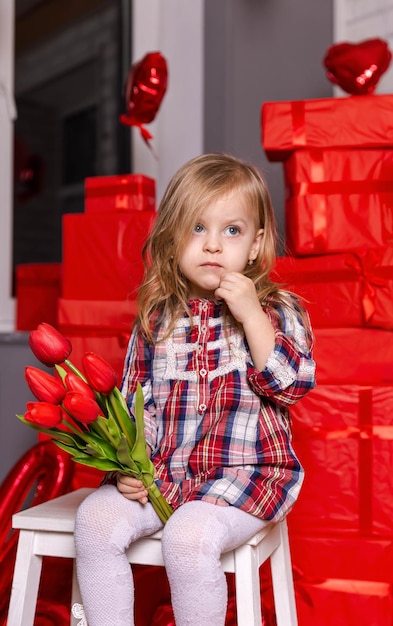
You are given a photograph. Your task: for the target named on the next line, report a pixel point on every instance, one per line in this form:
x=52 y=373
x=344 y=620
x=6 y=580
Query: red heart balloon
x=357 y=67
x=146 y=86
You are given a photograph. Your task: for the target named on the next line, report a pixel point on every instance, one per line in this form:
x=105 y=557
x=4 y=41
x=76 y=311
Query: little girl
x=221 y=353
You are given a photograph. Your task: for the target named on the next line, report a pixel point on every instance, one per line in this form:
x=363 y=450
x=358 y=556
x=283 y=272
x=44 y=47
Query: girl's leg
x=193 y=540
x=106 y=524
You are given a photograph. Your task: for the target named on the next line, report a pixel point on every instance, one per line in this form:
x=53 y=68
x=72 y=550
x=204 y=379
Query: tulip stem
x=75 y=370
x=105 y=432
x=82 y=433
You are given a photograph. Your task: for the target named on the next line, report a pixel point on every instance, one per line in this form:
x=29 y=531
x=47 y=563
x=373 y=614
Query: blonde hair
x=164 y=290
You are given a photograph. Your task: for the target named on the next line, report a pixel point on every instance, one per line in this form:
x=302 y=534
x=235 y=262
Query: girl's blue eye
x=198 y=228
x=233 y=230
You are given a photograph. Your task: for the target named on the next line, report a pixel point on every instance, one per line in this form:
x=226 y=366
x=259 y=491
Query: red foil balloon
x=357 y=67
x=146 y=86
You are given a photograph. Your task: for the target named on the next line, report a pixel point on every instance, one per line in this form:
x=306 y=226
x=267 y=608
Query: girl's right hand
x=132 y=488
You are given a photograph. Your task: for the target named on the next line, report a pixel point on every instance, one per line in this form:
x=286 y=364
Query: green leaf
x=138 y=451
x=117 y=404
x=61 y=371
x=101 y=464
x=62 y=435
x=124 y=456
x=110 y=422
x=66 y=448
x=101 y=447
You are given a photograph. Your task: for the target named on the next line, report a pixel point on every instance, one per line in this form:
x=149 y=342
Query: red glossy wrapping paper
x=102 y=254
x=338 y=200
x=38 y=288
x=349 y=122
x=320 y=556
x=357 y=564
x=345 y=602
x=362 y=356
x=343 y=290
x=344 y=438
x=97 y=326
x=96 y=317
x=134 y=192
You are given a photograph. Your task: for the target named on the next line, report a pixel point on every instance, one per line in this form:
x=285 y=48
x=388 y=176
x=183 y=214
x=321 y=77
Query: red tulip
x=49 y=345
x=45 y=387
x=80 y=407
x=44 y=414
x=74 y=383
x=101 y=376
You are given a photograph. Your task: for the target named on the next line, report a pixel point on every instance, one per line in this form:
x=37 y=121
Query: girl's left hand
x=239 y=293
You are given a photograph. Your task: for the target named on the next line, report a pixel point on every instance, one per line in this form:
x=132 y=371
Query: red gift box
x=134 y=192
x=345 y=602
x=96 y=317
x=349 y=122
x=342 y=290
x=345 y=564
x=338 y=200
x=103 y=327
x=320 y=556
x=354 y=355
x=102 y=254
x=38 y=288
x=344 y=439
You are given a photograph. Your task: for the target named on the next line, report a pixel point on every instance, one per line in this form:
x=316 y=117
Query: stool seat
x=48 y=530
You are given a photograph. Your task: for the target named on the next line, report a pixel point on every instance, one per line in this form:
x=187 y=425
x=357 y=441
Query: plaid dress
x=219 y=428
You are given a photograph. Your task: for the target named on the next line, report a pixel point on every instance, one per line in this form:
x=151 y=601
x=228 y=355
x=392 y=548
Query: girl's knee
x=94 y=512
x=191 y=528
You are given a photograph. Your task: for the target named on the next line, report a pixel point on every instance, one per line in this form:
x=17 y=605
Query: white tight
x=193 y=539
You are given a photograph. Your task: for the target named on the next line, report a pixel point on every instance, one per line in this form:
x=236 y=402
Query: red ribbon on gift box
x=319 y=188
x=298 y=124
x=365 y=268
x=371 y=275
x=129 y=191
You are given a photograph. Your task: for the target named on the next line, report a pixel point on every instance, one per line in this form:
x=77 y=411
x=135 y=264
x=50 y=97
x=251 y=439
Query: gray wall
x=15 y=437
x=258 y=51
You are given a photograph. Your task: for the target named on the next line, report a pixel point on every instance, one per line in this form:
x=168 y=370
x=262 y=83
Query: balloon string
x=145 y=133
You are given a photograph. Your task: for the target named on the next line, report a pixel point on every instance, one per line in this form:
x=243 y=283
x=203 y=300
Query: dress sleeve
x=137 y=369
x=290 y=369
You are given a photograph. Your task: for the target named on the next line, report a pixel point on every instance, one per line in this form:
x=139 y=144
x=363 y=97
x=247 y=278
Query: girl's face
x=226 y=236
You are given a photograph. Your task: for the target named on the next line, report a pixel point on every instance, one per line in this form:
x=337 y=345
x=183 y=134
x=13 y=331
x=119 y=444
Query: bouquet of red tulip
x=85 y=413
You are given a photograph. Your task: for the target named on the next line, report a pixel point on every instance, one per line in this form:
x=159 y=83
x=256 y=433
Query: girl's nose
x=212 y=243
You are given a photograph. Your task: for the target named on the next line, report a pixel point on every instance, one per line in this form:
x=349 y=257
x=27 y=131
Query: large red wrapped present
x=343 y=562
x=95 y=317
x=38 y=288
x=361 y=356
x=344 y=602
x=344 y=438
x=134 y=192
x=103 y=327
x=339 y=555
x=102 y=254
x=343 y=290
x=348 y=122
x=338 y=200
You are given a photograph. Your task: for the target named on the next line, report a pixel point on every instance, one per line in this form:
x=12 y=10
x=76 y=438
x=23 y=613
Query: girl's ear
x=256 y=246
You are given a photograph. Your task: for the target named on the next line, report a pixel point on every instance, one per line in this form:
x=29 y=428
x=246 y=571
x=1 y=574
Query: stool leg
x=248 y=598
x=25 y=583
x=283 y=590
x=75 y=596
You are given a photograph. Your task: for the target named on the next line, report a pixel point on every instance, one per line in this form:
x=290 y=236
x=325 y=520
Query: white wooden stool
x=47 y=530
